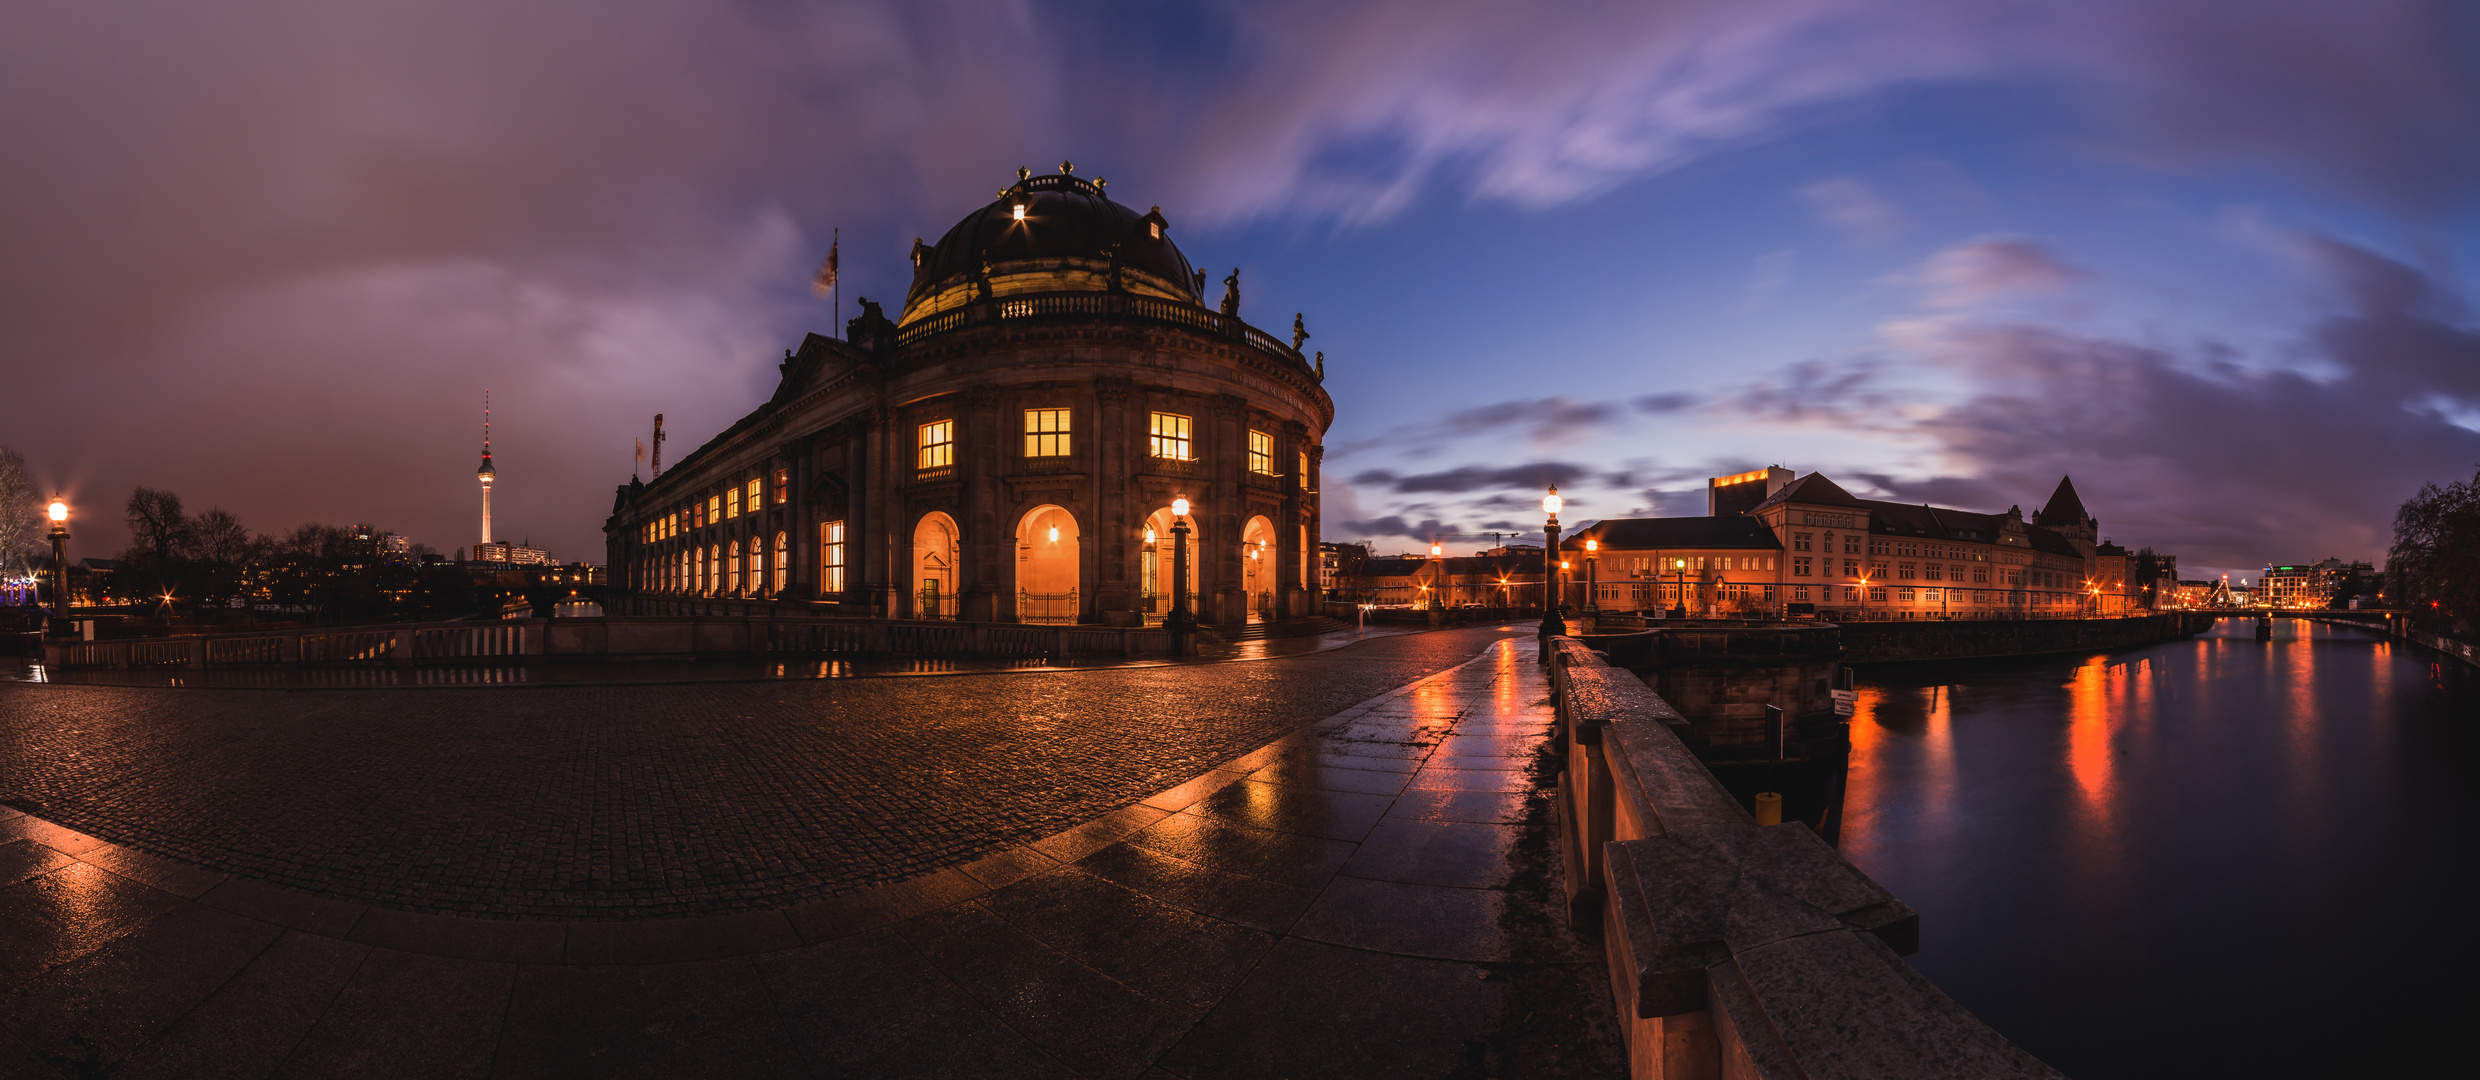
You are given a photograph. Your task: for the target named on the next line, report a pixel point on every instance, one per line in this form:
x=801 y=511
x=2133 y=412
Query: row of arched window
x=732 y=568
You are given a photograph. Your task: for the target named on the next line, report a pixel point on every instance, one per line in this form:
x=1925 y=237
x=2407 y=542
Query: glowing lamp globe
x=1179 y=507
x=1593 y=545
x=1434 y=551
x=59 y=511
x=1550 y=503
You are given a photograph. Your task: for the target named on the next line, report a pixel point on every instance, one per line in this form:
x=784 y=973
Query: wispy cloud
x=1853 y=207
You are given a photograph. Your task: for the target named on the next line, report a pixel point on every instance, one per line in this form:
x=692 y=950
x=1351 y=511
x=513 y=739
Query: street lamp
x=59 y=513
x=1181 y=622
x=1438 y=561
x=1551 y=625
x=1679 y=568
x=1592 y=579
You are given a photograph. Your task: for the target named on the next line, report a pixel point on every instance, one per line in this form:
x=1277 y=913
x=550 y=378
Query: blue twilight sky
x=2213 y=259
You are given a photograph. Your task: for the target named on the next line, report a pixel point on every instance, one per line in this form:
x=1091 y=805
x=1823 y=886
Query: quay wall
x=1736 y=949
x=1902 y=642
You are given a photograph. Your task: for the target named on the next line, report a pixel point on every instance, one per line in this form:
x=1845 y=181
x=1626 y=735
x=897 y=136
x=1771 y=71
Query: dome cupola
x=1055 y=233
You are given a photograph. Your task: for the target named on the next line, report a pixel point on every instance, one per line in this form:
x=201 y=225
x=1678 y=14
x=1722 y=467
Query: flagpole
x=832 y=244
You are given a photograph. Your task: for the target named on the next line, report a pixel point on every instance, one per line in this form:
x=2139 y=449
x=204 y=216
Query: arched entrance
x=934 y=567
x=1257 y=566
x=1156 y=562
x=1047 y=566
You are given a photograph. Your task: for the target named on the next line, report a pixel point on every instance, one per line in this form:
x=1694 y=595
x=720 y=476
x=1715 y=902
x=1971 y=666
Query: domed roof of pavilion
x=1054 y=233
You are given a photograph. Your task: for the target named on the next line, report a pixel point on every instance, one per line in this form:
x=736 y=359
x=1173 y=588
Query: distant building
x=1810 y=546
x=1498 y=579
x=1339 y=562
x=512 y=554
x=1729 y=496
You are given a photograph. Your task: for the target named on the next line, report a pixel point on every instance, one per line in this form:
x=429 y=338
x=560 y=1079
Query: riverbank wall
x=1905 y=642
x=1736 y=949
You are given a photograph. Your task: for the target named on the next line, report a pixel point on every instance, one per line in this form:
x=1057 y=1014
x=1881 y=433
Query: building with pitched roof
x=1811 y=547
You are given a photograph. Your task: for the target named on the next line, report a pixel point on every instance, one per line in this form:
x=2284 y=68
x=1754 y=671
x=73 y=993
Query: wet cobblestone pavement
x=1366 y=889
x=630 y=801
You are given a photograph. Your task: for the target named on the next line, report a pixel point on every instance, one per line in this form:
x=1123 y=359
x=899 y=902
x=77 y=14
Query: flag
x=825 y=282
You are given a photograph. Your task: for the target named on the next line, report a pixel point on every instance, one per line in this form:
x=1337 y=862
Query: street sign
x=1843 y=700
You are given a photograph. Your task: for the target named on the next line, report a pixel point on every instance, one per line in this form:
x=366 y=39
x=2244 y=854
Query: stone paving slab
x=1217 y=926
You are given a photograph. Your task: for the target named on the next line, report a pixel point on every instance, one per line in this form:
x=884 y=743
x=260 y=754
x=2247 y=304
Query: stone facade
x=1011 y=448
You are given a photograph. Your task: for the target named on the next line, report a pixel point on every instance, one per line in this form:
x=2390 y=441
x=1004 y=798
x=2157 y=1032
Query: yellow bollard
x=1769 y=808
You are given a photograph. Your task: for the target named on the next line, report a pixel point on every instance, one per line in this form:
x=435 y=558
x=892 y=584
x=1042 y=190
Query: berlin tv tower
x=486 y=474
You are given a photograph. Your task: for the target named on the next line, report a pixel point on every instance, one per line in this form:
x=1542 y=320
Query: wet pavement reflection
x=1374 y=894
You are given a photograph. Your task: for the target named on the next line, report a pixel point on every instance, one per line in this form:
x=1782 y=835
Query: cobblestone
x=632 y=801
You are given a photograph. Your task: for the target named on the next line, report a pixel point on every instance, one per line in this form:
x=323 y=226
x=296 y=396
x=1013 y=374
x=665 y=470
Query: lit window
x=714 y=510
x=831 y=556
x=783 y=486
x=1261 y=453
x=938 y=445
x=1304 y=468
x=732 y=503
x=1172 y=437
x=757 y=564
x=783 y=560
x=757 y=493
x=1046 y=433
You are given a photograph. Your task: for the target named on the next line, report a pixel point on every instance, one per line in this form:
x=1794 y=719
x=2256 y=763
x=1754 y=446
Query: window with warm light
x=831 y=557
x=732 y=503
x=783 y=486
x=757 y=564
x=1304 y=468
x=783 y=560
x=1046 y=433
x=937 y=445
x=757 y=494
x=1261 y=453
x=714 y=510
x=733 y=569
x=1171 y=437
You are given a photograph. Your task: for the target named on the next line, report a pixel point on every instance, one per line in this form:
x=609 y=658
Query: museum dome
x=1055 y=233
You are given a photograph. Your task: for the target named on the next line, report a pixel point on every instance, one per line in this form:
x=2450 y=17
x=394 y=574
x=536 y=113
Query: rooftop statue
x=1300 y=333
x=1231 y=293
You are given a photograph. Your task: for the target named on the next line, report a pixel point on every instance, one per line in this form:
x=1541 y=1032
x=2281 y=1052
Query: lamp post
x=1551 y=625
x=59 y=513
x=1182 y=622
x=1679 y=571
x=1438 y=577
x=1592 y=578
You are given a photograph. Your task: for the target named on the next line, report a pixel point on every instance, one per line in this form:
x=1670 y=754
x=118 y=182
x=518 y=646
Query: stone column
x=1219 y=578
x=1112 y=452
x=986 y=541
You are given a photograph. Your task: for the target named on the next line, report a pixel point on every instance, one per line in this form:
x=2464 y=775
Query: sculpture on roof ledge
x=1300 y=332
x=1231 y=293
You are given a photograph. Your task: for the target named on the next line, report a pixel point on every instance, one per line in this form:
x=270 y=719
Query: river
x=2213 y=857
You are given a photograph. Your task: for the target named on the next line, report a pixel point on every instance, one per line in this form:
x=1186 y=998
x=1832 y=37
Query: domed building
x=1009 y=448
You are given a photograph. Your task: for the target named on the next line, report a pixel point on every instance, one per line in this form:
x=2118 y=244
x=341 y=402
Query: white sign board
x=1843 y=700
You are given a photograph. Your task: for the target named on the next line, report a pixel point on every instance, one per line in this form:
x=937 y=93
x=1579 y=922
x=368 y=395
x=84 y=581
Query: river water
x=2213 y=857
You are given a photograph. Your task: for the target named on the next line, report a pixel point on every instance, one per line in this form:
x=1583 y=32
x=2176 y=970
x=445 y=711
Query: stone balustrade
x=1735 y=949
x=614 y=639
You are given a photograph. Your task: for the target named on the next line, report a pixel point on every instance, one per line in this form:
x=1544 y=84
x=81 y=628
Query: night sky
x=2214 y=259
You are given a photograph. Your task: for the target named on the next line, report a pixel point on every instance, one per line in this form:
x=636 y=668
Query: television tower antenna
x=658 y=446
x=486 y=473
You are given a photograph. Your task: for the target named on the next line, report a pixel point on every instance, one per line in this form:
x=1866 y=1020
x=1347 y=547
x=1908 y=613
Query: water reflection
x=2161 y=862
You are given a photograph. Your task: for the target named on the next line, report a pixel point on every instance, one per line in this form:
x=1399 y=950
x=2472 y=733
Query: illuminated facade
x=1803 y=545
x=1008 y=448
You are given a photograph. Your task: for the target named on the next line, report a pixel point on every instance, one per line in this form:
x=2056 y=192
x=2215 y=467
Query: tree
x=225 y=552
x=22 y=526
x=162 y=543
x=2434 y=565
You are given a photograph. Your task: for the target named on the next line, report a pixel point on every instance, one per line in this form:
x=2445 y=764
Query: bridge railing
x=1736 y=949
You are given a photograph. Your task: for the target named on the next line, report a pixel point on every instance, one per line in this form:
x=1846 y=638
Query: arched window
x=783 y=561
x=734 y=580
x=757 y=565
